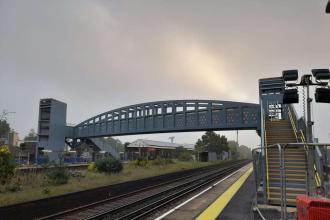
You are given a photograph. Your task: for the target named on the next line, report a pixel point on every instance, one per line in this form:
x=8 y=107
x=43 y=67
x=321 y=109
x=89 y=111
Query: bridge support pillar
x=51 y=129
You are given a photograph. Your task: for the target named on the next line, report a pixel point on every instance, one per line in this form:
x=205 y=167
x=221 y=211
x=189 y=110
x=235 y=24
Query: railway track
x=143 y=202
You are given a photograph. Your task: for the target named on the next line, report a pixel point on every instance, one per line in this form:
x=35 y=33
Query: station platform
x=235 y=203
x=239 y=207
x=229 y=198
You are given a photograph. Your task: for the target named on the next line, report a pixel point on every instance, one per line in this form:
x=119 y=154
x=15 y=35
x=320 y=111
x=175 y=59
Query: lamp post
x=322 y=92
x=310 y=123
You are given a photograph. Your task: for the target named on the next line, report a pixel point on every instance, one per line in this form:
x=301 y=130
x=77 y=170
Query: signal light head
x=322 y=95
x=321 y=74
x=290 y=96
x=290 y=75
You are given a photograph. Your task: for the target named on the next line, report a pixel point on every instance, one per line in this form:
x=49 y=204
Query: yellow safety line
x=214 y=210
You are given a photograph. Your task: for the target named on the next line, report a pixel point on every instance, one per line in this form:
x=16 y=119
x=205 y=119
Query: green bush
x=185 y=156
x=92 y=167
x=140 y=162
x=15 y=187
x=109 y=165
x=160 y=161
x=7 y=165
x=57 y=176
x=46 y=191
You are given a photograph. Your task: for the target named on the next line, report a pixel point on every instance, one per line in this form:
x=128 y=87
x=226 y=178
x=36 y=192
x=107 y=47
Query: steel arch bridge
x=170 y=116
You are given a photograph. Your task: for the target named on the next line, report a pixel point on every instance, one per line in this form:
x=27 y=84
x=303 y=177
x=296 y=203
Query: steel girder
x=170 y=116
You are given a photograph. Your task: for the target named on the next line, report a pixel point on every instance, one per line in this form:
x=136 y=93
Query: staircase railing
x=318 y=166
x=257 y=167
x=317 y=161
x=266 y=158
x=281 y=149
x=263 y=156
x=282 y=179
x=300 y=137
x=105 y=146
x=293 y=121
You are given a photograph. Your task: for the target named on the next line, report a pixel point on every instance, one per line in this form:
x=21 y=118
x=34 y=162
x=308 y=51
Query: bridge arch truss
x=171 y=116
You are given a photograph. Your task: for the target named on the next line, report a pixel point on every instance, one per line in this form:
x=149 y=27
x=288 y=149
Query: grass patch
x=35 y=186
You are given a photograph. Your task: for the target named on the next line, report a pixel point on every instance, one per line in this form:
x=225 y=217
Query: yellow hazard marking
x=214 y=210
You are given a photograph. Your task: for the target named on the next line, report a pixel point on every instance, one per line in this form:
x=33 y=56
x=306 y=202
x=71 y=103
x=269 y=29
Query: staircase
x=105 y=146
x=281 y=131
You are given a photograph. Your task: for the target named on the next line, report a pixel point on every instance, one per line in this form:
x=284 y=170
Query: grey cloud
x=99 y=55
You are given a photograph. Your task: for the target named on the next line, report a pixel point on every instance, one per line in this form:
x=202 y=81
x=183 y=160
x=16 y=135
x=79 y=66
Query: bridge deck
x=170 y=116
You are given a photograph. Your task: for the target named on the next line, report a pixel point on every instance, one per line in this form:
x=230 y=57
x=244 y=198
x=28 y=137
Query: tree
x=4 y=129
x=32 y=136
x=115 y=143
x=7 y=164
x=82 y=149
x=125 y=146
x=244 y=152
x=234 y=149
x=183 y=154
x=211 y=141
x=239 y=152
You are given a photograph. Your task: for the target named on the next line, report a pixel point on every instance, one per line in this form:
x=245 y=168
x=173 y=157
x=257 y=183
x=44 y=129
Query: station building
x=152 y=149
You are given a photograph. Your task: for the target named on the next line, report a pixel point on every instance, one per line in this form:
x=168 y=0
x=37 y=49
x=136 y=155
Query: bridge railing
x=171 y=116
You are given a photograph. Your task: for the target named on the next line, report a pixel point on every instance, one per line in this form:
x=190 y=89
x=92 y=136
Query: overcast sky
x=100 y=55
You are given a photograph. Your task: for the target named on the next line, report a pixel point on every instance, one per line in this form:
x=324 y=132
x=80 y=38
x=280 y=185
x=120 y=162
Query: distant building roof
x=158 y=144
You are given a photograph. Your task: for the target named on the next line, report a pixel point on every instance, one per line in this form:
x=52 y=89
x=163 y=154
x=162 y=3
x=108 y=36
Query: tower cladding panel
x=52 y=127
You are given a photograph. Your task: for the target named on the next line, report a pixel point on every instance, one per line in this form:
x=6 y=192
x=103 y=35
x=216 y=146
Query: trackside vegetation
x=24 y=187
x=109 y=165
x=7 y=165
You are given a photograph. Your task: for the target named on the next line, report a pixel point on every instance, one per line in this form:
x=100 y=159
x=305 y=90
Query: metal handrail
x=263 y=152
x=266 y=157
x=293 y=124
x=258 y=167
x=281 y=147
x=317 y=175
x=259 y=212
x=303 y=139
x=283 y=209
x=318 y=164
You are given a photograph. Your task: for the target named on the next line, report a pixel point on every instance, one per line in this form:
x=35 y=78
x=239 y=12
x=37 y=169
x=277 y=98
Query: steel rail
x=167 y=200
x=70 y=212
x=166 y=197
